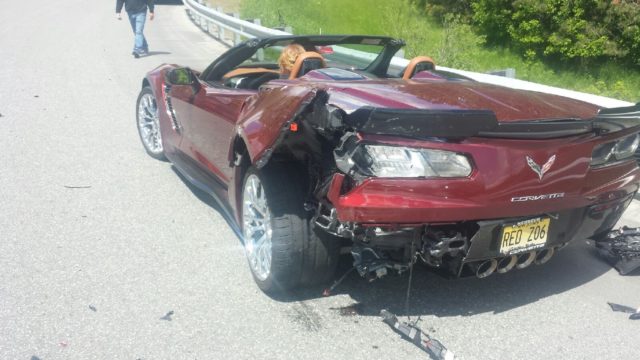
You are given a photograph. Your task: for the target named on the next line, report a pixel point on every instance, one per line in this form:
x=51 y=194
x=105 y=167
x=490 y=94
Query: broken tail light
x=403 y=162
x=612 y=152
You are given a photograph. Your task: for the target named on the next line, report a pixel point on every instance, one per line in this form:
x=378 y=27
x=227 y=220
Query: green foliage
x=452 y=40
x=583 y=30
x=623 y=22
x=424 y=35
x=441 y=8
x=493 y=18
x=459 y=47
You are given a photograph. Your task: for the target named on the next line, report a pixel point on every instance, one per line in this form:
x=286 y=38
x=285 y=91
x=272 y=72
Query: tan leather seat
x=417 y=64
x=306 y=62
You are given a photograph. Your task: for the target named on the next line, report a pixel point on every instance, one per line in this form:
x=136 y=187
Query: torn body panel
x=266 y=118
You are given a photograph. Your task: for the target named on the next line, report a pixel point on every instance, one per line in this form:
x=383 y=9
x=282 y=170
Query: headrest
x=417 y=64
x=306 y=62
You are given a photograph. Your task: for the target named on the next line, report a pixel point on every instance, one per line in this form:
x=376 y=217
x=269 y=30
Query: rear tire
x=148 y=124
x=298 y=253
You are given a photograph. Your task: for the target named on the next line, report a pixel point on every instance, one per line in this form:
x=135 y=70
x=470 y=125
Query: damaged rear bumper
x=380 y=201
x=460 y=246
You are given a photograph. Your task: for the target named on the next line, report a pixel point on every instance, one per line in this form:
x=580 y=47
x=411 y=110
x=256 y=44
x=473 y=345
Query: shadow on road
x=572 y=267
x=201 y=195
x=207 y=199
x=432 y=294
x=151 y=53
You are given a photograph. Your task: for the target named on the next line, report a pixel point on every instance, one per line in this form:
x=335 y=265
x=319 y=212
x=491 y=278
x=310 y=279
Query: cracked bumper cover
x=399 y=203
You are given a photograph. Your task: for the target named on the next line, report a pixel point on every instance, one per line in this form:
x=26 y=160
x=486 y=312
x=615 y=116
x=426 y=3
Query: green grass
x=450 y=44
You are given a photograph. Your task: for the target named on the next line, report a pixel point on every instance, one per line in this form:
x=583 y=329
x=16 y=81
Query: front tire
x=283 y=247
x=148 y=124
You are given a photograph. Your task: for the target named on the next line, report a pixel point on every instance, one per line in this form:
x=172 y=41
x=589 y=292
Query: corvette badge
x=541 y=170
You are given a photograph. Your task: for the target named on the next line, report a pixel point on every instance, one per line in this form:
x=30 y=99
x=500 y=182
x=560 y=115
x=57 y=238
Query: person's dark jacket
x=134 y=6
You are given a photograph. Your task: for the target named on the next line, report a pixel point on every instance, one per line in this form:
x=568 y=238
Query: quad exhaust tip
x=486 y=268
x=544 y=255
x=506 y=264
x=526 y=259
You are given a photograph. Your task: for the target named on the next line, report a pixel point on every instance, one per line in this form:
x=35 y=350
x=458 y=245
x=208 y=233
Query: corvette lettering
x=537 y=197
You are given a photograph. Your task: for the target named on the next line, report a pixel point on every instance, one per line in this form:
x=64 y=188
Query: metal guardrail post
x=508 y=72
x=260 y=53
x=236 y=37
x=221 y=35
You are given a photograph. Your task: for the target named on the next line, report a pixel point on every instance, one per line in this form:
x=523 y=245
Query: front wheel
x=283 y=248
x=149 y=124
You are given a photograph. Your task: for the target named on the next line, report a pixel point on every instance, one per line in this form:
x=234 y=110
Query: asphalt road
x=98 y=242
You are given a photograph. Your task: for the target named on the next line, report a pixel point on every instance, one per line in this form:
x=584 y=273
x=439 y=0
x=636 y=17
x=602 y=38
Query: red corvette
x=395 y=165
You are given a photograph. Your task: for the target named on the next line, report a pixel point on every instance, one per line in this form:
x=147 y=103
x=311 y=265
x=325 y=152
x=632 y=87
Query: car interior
x=257 y=65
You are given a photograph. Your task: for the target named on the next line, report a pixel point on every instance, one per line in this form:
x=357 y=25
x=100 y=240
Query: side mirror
x=180 y=76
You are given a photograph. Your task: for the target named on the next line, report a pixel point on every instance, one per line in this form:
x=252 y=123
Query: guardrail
x=217 y=23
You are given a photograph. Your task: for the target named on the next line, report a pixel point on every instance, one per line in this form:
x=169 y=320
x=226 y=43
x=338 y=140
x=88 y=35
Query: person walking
x=137 y=12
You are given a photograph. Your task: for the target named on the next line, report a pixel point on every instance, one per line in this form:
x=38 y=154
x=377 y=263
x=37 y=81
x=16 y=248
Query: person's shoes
x=139 y=53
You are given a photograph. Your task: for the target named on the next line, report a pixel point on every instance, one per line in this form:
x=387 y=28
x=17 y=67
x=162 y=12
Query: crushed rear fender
x=267 y=117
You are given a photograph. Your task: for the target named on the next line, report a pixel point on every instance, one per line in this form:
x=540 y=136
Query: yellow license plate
x=524 y=236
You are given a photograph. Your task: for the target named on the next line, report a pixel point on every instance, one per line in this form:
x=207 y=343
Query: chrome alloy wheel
x=149 y=124
x=256 y=227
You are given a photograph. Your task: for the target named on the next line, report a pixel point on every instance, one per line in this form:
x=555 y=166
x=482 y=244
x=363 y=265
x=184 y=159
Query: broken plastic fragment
x=622 y=249
x=327 y=292
x=413 y=334
x=635 y=313
x=167 y=316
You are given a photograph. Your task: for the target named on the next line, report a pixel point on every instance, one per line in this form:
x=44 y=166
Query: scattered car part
x=412 y=333
x=635 y=313
x=622 y=249
x=328 y=291
x=167 y=316
x=373 y=264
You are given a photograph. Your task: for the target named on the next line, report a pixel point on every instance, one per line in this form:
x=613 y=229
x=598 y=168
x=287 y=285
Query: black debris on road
x=167 y=316
x=621 y=248
x=635 y=313
x=412 y=333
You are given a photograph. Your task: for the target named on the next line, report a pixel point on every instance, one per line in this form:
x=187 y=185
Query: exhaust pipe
x=525 y=260
x=544 y=256
x=506 y=264
x=486 y=268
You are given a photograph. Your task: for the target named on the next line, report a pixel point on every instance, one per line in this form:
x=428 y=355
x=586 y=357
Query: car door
x=208 y=126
